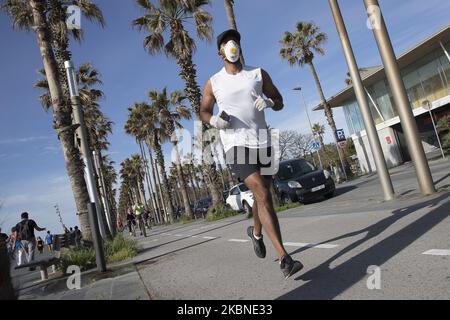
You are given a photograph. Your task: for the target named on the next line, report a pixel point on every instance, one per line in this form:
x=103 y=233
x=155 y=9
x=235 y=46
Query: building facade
x=426 y=74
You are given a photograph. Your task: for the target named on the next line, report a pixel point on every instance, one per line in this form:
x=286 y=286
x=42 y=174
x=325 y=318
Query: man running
x=239 y=92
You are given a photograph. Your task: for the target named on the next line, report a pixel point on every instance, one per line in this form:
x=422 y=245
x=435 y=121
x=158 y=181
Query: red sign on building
x=389 y=140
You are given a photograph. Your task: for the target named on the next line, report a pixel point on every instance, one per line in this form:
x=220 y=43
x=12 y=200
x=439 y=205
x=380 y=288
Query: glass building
x=426 y=74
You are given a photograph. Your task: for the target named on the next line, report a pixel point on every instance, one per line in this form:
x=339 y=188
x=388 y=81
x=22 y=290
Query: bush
x=287 y=207
x=82 y=257
x=118 y=249
x=220 y=213
x=280 y=209
x=185 y=220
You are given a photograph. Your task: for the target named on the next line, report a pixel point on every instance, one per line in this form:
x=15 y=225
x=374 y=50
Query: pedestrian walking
x=243 y=94
x=40 y=245
x=25 y=231
x=131 y=222
x=16 y=247
x=77 y=237
x=71 y=237
x=49 y=241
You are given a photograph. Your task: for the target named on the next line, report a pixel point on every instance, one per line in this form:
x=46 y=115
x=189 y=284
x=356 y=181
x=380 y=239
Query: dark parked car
x=201 y=207
x=300 y=181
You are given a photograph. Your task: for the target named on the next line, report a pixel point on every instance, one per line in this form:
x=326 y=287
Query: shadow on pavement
x=442 y=179
x=147 y=261
x=325 y=283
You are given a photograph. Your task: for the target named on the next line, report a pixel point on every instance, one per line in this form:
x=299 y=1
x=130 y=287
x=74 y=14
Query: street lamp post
x=309 y=119
x=398 y=90
x=371 y=130
x=96 y=224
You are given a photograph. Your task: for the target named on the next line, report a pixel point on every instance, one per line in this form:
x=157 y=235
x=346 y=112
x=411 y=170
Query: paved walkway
x=337 y=240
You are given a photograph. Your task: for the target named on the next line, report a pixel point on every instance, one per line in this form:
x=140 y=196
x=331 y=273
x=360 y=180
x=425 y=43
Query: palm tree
x=110 y=177
x=229 y=10
x=35 y=14
x=143 y=122
x=319 y=130
x=97 y=124
x=299 y=48
x=132 y=172
x=169 y=114
x=138 y=127
x=170 y=17
x=230 y=13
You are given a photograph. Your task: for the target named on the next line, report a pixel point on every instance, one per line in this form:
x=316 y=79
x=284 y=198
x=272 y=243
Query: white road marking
x=437 y=252
x=209 y=238
x=310 y=245
x=178 y=235
x=155 y=240
x=238 y=240
x=194 y=236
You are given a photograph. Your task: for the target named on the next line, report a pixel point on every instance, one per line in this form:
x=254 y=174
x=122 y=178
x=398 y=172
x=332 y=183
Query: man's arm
x=38 y=228
x=207 y=104
x=270 y=91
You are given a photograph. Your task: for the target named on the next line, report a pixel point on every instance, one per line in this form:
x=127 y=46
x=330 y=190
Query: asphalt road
x=407 y=240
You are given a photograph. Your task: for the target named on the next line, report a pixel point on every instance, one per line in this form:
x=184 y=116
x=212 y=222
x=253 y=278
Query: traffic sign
x=340 y=134
x=316 y=145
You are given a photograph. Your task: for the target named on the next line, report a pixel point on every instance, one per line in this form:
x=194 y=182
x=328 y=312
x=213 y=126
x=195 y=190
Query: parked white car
x=240 y=198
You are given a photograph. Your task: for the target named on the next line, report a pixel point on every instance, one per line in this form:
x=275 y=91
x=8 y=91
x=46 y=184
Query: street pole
x=374 y=141
x=398 y=90
x=309 y=119
x=96 y=224
x=97 y=157
x=428 y=107
x=85 y=150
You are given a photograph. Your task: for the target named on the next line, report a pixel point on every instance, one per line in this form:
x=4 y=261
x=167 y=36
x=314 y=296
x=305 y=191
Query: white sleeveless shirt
x=233 y=95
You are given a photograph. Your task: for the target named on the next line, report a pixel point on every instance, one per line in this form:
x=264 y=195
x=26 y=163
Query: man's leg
x=257 y=222
x=31 y=250
x=265 y=211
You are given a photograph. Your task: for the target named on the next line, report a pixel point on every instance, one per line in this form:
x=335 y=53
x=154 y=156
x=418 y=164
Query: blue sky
x=32 y=170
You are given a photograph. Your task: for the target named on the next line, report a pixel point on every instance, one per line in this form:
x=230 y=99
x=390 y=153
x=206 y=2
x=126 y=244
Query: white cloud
x=24 y=140
x=38 y=195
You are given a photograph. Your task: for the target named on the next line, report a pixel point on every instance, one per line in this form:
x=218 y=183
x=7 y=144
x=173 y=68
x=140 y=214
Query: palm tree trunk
x=182 y=181
x=157 y=182
x=147 y=177
x=220 y=172
x=189 y=74
x=230 y=14
x=191 y=181
x=229 y=10
x=328 y=114
x=163 y=182
x=62 y=118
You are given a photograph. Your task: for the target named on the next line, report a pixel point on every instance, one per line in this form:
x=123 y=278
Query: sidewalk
x=337 y=239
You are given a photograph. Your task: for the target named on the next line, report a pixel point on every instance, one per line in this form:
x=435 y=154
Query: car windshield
x=294 y=169
x=243 y=188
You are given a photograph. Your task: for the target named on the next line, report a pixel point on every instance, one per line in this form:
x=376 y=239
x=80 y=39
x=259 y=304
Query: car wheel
x=285 y=199
x=329 y=195
x=247 y=208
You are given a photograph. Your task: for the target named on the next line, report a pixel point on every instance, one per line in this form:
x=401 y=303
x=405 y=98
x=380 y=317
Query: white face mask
x=232 y=51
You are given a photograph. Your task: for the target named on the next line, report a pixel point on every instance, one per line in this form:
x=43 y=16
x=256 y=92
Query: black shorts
x=244 y=161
